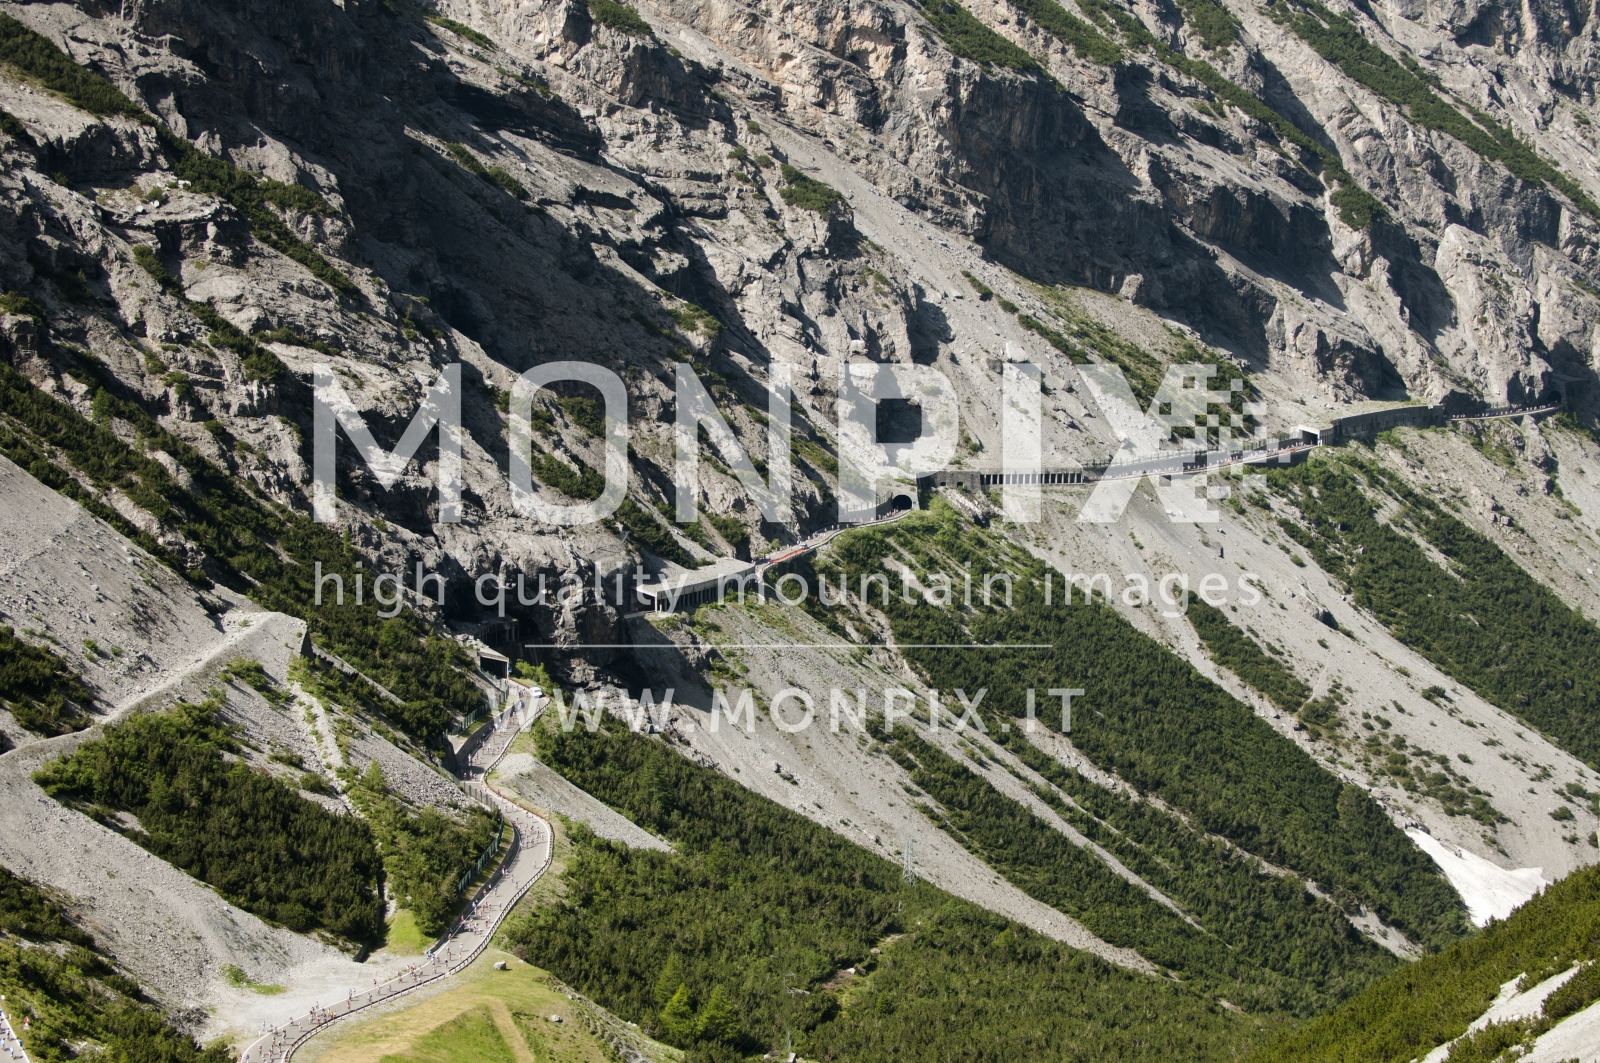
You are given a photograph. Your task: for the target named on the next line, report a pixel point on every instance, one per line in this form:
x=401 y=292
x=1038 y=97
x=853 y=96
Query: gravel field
x=66 y=573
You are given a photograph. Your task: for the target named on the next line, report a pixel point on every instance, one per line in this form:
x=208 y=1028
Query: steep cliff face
x=510 y=184
x=1133 y=179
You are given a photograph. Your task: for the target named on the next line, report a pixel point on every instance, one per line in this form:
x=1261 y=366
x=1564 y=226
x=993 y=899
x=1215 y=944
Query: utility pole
x=908 y=863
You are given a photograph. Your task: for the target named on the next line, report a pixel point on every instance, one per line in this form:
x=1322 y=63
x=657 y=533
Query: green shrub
x=1357 y=207
x=425 y=854
x=12 y=127
x=495 y=175
x=502 y=177
x=179 y=382
x=39 y=689
x=577 y=481
x=814 y=453
x=465 y=32
x=984 y=291
x=151 y=263
x=1052 y=337
x=251 y=674
x=13 y=303
x=1083 y=38
x=1240 y=654
x=692 y=318
x=807 y=193
x=652 y=534
x=1211 y=22
x=464 y=156
x=36 y=57
x=78 y=1002
x=733 y=532
x=295 y=339
x=584 y=412
x=620 y=17
x=969 y=38
x=244 y=832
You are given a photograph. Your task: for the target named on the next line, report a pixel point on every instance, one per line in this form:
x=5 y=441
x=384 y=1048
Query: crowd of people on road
x=11 y=1040
x=471 y=931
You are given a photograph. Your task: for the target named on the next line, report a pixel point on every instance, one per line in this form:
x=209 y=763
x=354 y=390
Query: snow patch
x=1489 y=891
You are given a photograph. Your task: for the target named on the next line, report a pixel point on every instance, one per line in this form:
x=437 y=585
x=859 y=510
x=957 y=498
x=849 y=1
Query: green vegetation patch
x=495 y=175
x=25 y=912
x=653 y=535
x=425 y=853
x=1422 y=771
x=734 y=532
x=242 y=831
x=577 y=481
x=1155 y=721
x=1053 y=338
x=295 y=338
x=462 y=30
x=404 y=938
x=584 y=412
x=620 y=17
x=235 y=976
x=258 y=362
x=151 y=263
x=1357 y=207
x=471 y=1037
x=1211 y=22
x=1263 y=942
x=38 y=688
x=15 y=303
x=1483 y=621
x=692 y=318
x=1241 y=655
x=969 y=38
x=816 y=455
x=1088 y=42
x=756 y=900
x=1432 y=1001
x=808 y=193
x=1143 y=371
x=12 y=127
x=79 y=1005
x=36 y=57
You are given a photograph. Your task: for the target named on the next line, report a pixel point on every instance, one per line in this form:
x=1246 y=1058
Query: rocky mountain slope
x=1352 y=207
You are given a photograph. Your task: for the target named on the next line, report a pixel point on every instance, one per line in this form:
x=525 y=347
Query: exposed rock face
x=513 y=184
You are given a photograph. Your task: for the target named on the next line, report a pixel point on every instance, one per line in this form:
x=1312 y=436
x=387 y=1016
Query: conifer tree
x=717 y=1021
x=677 y=1018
